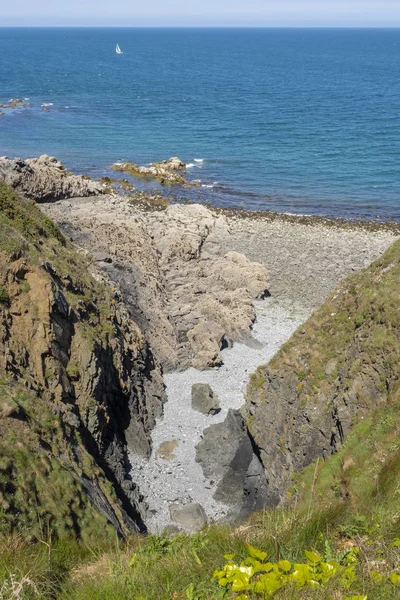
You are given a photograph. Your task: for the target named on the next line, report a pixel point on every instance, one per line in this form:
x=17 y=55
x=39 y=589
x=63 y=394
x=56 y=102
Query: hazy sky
x=201 y=12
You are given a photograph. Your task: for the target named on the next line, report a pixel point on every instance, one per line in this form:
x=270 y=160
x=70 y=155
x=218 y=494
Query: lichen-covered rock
x=45 y=179
x=337 y=367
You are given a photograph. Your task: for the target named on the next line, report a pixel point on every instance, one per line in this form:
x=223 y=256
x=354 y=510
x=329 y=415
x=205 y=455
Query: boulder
x=204 y=400
x=191 y=517
x=226 y=456
x=164 y=171
x=166 y=449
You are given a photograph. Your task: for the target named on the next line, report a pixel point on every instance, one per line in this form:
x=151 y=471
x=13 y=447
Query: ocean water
x=294 y=120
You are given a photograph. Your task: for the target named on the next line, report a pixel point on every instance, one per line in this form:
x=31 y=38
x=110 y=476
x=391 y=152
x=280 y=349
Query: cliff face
x=79 y=385
x=340 y=365
x=189 y=304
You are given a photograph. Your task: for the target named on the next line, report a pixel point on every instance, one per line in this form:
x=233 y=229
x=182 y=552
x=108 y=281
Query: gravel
x=180 y=479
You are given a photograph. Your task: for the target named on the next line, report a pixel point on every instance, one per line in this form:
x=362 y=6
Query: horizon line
x=200 y=26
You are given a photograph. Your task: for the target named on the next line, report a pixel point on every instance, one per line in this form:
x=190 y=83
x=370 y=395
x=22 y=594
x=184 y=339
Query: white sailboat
x=118 y=50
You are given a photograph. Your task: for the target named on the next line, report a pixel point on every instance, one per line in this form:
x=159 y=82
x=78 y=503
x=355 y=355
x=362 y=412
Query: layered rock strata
x=338 y=367
x=45 y=179
x=189 y=304
x=80 y=385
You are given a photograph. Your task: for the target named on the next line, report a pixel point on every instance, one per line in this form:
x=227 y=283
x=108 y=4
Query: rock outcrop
x=190 y=304
x=80 y=385
x=165 y=172
x=339 y=366
x=45 y=179
x=15 y=103
x=227 y=458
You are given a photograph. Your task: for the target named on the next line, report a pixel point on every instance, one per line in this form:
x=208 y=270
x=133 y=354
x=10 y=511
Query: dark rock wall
x=68 y=339
x=341 y=364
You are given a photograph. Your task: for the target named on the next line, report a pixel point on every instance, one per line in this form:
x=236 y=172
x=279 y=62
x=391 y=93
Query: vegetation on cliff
x=339 y=366
x=347 y=512
x=74 y=373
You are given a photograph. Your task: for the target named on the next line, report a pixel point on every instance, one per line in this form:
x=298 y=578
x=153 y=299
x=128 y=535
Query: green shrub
x=4 y=296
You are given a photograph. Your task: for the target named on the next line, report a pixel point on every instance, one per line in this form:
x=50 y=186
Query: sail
x=118 y=50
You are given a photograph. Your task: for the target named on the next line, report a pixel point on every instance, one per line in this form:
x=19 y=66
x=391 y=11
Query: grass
x=52 y=536
x=25 y=217
x=351 y=500
x=4 y=296
x=41 y=494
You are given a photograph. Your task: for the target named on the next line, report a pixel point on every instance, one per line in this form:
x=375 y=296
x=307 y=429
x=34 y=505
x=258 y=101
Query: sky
x=201 y=13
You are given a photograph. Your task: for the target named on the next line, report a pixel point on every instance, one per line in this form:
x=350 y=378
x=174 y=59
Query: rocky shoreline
x=215 y=294
x=155 y=257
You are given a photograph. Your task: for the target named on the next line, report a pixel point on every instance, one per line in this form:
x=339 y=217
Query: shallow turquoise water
x=295 y=120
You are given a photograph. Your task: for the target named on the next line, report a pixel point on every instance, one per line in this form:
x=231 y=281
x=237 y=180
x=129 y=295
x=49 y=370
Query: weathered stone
x=102 y=257
x=191 y=517
x=45 y=180
x=226 y=456
x=164 y=171
x=189 y=304
x=204 y=400
x=166 y=449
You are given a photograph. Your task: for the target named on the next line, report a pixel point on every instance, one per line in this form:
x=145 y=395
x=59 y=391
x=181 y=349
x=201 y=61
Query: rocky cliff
x=342 y=363
x=79 y=385
x=189 y=304
x=45 y=179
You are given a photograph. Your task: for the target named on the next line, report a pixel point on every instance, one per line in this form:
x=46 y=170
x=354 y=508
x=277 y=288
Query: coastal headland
x=213 y=378
x=216 y=293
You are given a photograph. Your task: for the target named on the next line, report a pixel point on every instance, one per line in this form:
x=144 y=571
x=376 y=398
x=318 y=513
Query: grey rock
x=204 y=400
x=188 y=304
x=191 y=517
x=226 y=456
x=45 y=180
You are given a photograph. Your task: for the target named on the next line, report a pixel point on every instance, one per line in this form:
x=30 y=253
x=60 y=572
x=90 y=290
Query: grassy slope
x=341 y=364
x=351 y=499
x=41 y=496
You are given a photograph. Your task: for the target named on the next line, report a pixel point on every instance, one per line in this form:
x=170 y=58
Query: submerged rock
x=15 y=103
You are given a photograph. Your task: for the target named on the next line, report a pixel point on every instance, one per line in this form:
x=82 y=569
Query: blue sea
x=291 y=120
